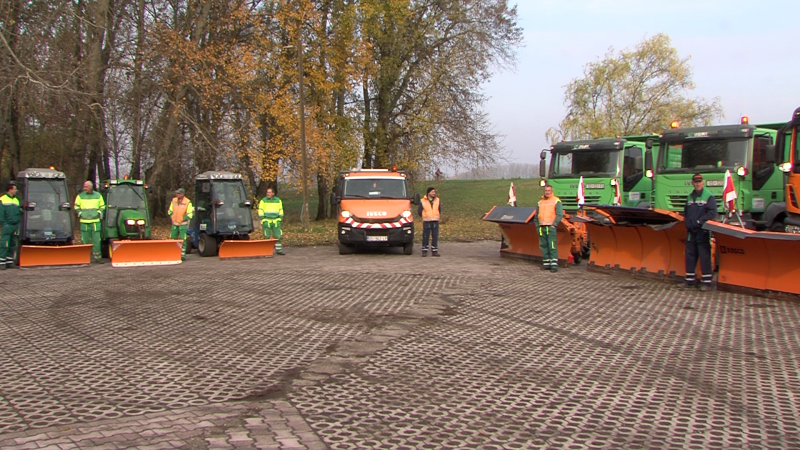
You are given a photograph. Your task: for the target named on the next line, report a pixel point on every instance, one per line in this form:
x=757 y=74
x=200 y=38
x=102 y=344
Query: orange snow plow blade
x=54 y=255
x=521 y=238
x=756 y=260
x=641 y=241
x=145 y=253
x=247 y=249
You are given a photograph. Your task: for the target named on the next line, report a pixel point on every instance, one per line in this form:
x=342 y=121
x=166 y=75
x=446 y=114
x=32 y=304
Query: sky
x=744 y=52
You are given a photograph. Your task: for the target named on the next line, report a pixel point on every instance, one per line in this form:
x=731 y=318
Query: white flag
x=581 y=195
x=512 y=196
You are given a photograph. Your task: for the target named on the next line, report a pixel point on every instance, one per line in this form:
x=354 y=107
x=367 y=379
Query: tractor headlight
x=346 y=214
x=130 y=222
x=140 y=222
x=406 y=213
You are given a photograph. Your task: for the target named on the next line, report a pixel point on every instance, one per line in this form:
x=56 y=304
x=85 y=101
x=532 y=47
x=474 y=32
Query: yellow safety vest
x=430 y=211
x=179 y=211
x=547 y=210
x=89 y=206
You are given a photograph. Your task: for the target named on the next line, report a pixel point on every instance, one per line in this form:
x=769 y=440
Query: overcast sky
x=744 y=52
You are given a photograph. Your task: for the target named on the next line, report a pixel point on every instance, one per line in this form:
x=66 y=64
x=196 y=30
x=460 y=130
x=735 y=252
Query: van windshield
x=394 y=188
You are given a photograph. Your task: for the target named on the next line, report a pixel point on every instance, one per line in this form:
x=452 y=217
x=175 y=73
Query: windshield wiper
x=135 y=192
x=356 y=196
x=55 y=189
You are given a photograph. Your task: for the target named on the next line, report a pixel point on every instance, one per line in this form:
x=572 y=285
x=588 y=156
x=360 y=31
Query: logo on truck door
x=377 y=213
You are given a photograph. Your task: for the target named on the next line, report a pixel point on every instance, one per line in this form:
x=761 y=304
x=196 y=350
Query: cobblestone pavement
x=315 y=350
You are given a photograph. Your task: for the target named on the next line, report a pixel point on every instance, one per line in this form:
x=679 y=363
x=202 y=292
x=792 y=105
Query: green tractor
x=127 y=215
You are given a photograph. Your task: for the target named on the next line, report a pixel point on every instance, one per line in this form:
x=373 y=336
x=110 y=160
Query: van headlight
x=406 y=214
x=346 y=214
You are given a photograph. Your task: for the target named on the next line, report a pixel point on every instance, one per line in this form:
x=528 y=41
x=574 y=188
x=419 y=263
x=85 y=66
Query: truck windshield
x=46 y=219
x=585 y=163
x=231 y=212
x=375 y=188
x=708 y=155
x=126 y=196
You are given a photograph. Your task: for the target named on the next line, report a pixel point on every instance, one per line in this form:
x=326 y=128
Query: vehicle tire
x=577 y=257
x=206 y=245
x=188 y=245
x=408 y=249
x=105 y=248
x=244 y=237
x=345 y=249
x=778 y=227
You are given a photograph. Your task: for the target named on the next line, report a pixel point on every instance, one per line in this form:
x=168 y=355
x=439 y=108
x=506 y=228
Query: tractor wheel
x=777 y=227
x=345 y=249
x=206 y=245
x=105 y=248
x=408 y=248
x=577 y=257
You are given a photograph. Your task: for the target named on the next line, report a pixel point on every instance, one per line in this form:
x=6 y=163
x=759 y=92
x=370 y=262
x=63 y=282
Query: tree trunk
x=322 y=190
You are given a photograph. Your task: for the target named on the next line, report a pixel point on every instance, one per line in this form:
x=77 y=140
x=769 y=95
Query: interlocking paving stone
x=316 y=350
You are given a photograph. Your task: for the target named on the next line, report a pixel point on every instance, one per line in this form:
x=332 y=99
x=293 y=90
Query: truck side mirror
x=29 y=206
x=772 y=154
x=542 y=164
x=648 y=160
x=648 y=144
x=246 y=204
x=334 y=199
x=415 y=201
x=64 y=206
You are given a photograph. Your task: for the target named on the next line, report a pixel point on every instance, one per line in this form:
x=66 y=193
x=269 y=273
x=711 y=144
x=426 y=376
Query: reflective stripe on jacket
x=549 y=211
x=181 y=212
x=89 y=206
x=430 y=211
x=10 y=213
x=270 y=209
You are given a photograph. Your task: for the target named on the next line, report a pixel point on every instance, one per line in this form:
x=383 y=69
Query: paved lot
x=316 y=350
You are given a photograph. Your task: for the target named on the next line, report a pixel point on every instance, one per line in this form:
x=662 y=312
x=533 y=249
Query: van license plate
x=377 y=238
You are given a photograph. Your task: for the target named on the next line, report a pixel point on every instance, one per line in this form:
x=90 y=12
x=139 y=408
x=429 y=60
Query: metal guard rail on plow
x=521 y=238
x=648 y=242
x=760 y=262
x=261 y=248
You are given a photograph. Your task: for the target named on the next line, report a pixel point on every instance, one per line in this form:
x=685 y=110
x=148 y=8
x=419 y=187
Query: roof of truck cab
x=41 y=173
x=218 y=175
x=374 y=173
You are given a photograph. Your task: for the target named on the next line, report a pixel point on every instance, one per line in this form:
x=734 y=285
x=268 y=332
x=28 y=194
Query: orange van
x=373 y=207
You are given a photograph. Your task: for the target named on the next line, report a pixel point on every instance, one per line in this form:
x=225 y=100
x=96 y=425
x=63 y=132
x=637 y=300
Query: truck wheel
x=777 y=227
x=345 y=249
x=408 y=249
x=206 y=245
x=577 y=257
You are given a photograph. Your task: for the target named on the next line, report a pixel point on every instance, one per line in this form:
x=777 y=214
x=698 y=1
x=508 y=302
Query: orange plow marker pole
x=52 y=255
x=146 y=252
x=247 y=249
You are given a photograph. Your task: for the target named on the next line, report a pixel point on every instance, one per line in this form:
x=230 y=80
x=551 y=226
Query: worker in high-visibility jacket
x=10 y=214
x=548 y=215
x=181 y=212
x=270 y=211
x=89 y=206
x=430 y=208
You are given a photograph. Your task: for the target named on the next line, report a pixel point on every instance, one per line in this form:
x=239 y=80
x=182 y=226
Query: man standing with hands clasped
x=548 y=215
x=430 y=208
x=180 y=212
x=89 y=205
x=700 y=208
x=270 y=211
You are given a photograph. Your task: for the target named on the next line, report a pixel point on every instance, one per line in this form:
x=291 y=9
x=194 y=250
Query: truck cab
x=746 y=150
x=373 y=209
x=222 y=211
x=788 y=143
x=46 y=205
x=612 y=168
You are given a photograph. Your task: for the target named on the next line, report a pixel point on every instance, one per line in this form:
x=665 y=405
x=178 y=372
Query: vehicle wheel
x=586 y=251
x=188 y=245
x=105 y=248
x=778 y=227
x=408 y=249
x=206 y=245
x=244 y=237
x=345 y=249
x=577 y=257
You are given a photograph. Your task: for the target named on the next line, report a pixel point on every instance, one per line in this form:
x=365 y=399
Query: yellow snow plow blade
x=760 y=261
x=247 y=249
x=145 y=253
x=54 y=255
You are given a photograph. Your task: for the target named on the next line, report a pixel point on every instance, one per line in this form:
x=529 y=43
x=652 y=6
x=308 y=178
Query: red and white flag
x=617 y=194
x=581 y=193
x=512 y=195
x=729 y=192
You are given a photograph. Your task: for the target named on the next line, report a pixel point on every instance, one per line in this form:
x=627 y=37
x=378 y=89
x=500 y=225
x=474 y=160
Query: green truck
x=747 y=151
x=609 y=166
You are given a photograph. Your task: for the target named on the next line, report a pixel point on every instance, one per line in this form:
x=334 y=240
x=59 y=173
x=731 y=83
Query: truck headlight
x=406 y=213
x=345 y=214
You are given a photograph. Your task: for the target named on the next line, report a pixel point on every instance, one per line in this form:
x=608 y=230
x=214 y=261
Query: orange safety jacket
x=430 y=211
x=550 y=211
x=180 y=211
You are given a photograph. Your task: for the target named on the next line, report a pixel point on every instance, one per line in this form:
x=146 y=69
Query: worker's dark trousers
x=698 y=245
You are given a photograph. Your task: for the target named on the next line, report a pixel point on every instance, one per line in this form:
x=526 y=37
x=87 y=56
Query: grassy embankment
x=464 y=202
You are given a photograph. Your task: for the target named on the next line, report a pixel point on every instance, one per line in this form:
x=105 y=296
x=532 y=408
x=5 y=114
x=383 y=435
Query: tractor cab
x=222 y=211
x=46 y=206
